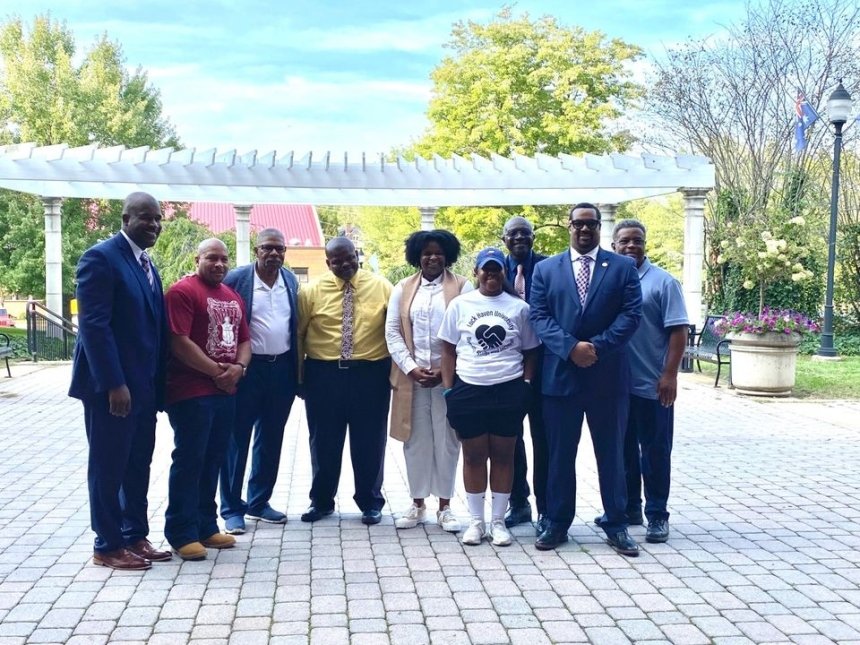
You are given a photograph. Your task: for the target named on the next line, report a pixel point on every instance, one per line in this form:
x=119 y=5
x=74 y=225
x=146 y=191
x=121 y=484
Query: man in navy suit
x=585 y=306
x=118 y=373
x=519 y=237
x=266 y=394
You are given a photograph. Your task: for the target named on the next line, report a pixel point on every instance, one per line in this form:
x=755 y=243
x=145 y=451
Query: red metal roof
x=299 y=222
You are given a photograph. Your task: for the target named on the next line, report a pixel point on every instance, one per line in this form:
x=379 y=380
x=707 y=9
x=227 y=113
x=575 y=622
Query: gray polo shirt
x=662 y=308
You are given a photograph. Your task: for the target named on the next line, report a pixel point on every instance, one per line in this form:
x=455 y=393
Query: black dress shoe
x=551 y=538
x=623 y=543
x=633 y=519
x=658 y=531
x=519 y=514
x=371 y=517
x=313 y=514
x=542 y=524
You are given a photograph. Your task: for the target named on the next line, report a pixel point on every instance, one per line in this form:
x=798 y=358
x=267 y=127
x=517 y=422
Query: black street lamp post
x=838 y=109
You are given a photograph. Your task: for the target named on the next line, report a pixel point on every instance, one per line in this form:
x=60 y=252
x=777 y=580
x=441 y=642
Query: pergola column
x=243 y=234
x=607 y=223
x=428 y=217
x=694 y=252
x=53 y=254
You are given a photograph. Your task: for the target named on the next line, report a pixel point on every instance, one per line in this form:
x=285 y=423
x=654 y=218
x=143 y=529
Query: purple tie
x=583 y=277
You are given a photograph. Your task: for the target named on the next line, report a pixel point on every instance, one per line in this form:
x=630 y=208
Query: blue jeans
x=648 y=456
x=201 y=427
x=263 y=405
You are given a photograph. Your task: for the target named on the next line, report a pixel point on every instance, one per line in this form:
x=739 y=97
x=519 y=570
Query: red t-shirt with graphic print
x=214 y=319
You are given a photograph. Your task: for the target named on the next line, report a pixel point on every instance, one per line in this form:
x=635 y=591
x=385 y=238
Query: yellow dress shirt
x=321 y=317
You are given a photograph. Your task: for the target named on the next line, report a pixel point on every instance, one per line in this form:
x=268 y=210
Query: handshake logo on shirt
x=490 y=337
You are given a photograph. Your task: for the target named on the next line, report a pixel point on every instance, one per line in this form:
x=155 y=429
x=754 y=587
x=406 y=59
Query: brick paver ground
x=764 y=547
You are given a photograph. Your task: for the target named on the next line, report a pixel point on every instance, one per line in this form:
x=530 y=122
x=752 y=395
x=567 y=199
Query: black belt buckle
x=343 y=363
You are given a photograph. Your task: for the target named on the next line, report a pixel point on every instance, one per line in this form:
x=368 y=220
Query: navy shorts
x=476 y=410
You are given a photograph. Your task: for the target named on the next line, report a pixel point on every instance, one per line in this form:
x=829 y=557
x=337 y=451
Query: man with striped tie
x=345 y=379
x=118 y=373
x=519 y=237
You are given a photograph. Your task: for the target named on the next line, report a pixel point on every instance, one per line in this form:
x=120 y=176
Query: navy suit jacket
x=611 y=315
x=122 y=327
x=241 y=280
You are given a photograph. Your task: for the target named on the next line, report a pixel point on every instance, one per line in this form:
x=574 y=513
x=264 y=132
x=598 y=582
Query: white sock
x=476 y=505
x=500 y=505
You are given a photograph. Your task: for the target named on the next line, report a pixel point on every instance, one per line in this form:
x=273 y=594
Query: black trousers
x=520 y=491
x=341 y=395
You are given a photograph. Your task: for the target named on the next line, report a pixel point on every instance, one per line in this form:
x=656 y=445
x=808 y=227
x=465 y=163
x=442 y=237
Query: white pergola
x=58 y=171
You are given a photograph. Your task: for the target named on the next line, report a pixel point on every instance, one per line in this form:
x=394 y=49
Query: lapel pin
x=605 y=264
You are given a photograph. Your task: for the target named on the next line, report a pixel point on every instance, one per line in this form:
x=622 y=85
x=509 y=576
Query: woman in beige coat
x=418 y=411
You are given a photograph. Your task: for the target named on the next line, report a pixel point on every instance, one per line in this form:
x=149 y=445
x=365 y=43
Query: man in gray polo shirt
x=655 y=353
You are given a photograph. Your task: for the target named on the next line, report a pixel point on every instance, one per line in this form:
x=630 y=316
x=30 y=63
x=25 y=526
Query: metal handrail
x=49 y=336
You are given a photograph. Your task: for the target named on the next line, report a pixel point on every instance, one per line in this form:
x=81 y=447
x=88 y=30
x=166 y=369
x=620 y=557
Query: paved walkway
x=765 y=547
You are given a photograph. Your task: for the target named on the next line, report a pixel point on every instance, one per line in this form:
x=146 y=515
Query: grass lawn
x=819 y=379
x=828 y=379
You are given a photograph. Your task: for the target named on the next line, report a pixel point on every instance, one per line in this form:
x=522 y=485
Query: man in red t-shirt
x=210 y=349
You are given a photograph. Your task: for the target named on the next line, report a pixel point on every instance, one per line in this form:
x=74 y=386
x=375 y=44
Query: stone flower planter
x=764 y=364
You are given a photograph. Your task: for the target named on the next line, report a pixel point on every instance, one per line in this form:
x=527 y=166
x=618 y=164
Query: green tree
x=520 y=86
x=174 y=252
x=516 y=85
x=47 y=97
x=664 y=220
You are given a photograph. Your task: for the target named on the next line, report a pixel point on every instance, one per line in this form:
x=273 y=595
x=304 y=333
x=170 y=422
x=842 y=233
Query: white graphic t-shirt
x=491 y=333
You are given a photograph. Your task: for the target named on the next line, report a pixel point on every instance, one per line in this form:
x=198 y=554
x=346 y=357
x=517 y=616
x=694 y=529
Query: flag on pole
x=806 y=116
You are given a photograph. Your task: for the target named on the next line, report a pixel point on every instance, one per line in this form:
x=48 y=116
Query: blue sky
x=324 y=75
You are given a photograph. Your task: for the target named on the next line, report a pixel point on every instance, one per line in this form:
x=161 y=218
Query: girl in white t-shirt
x=487 y=366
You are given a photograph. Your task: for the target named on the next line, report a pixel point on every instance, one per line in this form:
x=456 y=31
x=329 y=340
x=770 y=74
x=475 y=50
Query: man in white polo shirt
x=267 y=392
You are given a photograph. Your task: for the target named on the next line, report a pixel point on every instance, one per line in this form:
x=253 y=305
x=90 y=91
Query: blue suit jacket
x=122 y=338
x=611 y=314
x=241 y=280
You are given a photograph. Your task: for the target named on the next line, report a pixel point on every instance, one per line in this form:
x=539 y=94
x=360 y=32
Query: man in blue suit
x=585 y=305
x=118 y=373
x=266 y=394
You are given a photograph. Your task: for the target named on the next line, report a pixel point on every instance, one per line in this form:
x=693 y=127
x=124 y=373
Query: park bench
x=708 y=346
x=6 y=352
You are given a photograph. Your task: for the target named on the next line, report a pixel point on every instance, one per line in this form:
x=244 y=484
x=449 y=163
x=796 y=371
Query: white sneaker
x=447 y=520
x=412 y=518
x=475 y=533
x=499 y=534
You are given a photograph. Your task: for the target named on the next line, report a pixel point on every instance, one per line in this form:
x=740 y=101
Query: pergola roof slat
x=210 y=175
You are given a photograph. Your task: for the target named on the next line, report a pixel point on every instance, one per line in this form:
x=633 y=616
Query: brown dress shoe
x=144 y=549
x=121 y=559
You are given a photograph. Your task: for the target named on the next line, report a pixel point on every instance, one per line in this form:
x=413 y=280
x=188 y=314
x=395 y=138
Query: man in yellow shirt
x=345 y=379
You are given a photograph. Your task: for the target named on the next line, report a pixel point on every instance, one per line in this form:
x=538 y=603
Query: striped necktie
x=146 y=265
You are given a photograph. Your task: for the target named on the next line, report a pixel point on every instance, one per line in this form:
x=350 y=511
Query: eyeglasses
x=268 y=248
x=579 y=224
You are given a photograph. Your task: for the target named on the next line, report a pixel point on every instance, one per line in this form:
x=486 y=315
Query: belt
x=344 y=363
x=268 y=358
